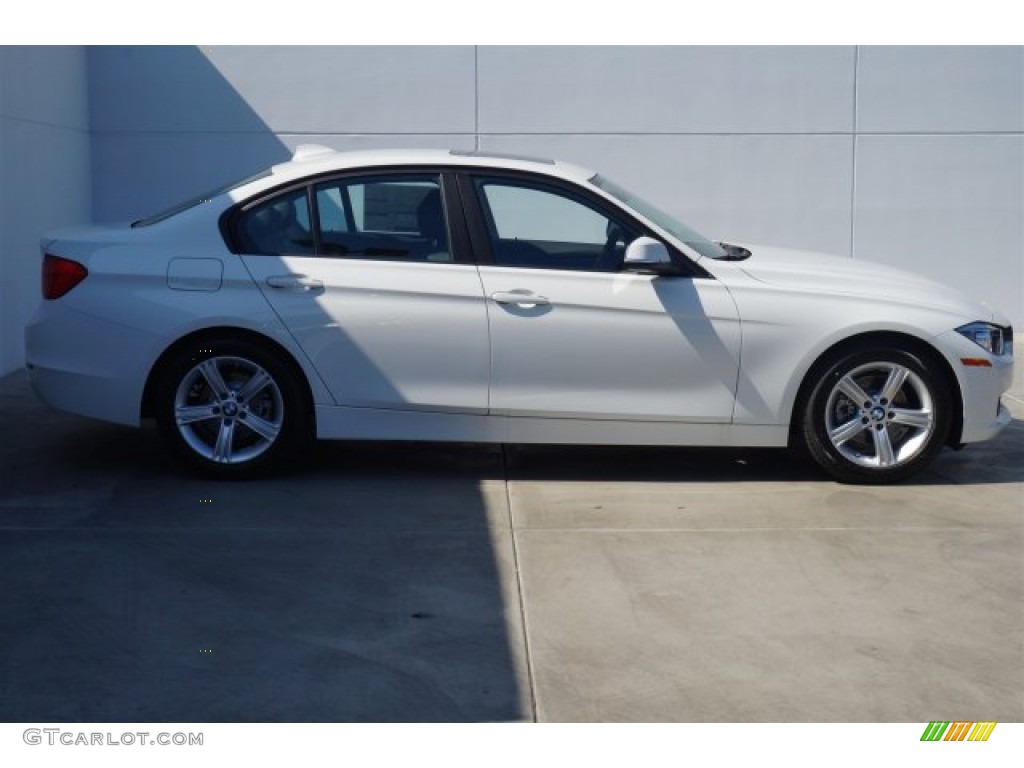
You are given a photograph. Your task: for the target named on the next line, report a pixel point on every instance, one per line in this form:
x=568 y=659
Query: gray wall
x=44 y=172
x=910 y=156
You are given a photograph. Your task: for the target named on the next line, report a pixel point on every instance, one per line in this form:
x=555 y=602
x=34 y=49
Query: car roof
x=312 y=159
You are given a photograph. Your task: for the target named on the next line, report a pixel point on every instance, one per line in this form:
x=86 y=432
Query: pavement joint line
x=224 y=529
x=969 y=502
x=519 y=590
x=782 y=529
x=434 y=531
x=531 y=529
x=673 y=483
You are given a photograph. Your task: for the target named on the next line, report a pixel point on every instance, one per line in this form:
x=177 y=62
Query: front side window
x=383 y=217
x=546 y=228
x=278 y=227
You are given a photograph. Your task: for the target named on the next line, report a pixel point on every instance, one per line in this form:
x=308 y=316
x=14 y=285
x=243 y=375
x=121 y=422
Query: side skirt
x=343 y=423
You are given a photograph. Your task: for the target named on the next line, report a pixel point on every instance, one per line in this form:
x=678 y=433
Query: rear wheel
x=230 y=408
x=876 y=416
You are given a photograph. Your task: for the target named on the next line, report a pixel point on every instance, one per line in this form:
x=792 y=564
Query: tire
x=230 y=408
x=876 y=415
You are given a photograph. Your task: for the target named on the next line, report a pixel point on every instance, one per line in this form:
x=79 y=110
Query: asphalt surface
x=402 y=582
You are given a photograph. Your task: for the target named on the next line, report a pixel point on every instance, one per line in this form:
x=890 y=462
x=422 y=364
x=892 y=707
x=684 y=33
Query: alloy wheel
x=879 y=415
x=228 y=409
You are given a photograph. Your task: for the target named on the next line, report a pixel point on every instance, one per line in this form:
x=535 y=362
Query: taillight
x=60 y=276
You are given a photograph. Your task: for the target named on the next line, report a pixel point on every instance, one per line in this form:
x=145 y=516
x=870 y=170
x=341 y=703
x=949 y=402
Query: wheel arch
x=906 y=341
x=233 y=332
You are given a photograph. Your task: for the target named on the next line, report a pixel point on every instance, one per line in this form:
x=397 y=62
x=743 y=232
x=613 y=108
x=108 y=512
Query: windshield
x=674 y=227
x=192 y=202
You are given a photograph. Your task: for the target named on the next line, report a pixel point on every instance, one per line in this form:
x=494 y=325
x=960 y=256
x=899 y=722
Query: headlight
x=993 y=338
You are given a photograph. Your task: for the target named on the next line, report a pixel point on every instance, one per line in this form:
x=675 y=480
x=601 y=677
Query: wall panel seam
x=46 y=123
x=455 y=132
x=476 y=97
x=853 y=159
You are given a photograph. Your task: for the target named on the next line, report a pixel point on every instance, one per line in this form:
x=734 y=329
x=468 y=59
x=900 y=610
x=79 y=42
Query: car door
x=572 y=336
x=376 y=287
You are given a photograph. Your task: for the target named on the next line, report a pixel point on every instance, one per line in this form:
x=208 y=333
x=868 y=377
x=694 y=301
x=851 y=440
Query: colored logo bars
x=957 y=731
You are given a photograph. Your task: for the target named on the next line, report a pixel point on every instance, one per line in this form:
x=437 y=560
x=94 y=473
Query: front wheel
x=230 y=408
x=876 y=416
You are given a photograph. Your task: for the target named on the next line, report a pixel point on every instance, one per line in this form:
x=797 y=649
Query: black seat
x=430 y=220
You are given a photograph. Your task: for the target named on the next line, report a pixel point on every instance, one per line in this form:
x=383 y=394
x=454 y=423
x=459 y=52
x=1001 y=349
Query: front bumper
x=982 y=386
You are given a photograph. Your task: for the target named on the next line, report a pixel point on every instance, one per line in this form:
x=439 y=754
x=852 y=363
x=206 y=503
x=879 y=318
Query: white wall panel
x=940 y=90
x=946 y=206
x=284 y=89
x=157 y=170
x=44 y=85
x=666 y=89
x=169 y=122
x=773 y=190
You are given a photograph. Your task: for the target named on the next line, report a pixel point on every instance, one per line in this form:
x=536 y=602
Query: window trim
x=314 y=219
x=470 y=243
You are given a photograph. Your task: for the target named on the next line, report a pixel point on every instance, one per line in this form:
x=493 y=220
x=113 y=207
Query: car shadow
x=1000 y=460
x=368 y=589
x=997 y=461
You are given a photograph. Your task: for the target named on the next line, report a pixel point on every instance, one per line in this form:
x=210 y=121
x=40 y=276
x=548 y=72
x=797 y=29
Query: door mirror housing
x=649 y=256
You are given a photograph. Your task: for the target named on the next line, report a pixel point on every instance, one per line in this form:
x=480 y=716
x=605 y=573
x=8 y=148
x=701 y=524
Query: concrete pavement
x=464 y=582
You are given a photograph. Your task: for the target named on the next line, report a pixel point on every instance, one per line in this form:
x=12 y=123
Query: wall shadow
x=166 y=125
x=138 y=593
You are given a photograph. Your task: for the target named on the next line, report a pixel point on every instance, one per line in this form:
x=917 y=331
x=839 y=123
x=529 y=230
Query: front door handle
x=523 y=299
x=300 y=283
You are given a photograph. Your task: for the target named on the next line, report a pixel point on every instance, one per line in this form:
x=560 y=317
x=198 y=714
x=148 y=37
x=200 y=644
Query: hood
x=824 y=273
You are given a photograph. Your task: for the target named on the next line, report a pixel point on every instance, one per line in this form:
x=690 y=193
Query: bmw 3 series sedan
x=458 y=296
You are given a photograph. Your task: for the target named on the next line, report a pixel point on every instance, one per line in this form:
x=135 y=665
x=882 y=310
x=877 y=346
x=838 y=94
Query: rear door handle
x=295 y=283
x=523 y=299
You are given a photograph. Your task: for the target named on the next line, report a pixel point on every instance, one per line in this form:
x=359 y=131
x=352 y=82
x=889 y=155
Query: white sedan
x=426 y=295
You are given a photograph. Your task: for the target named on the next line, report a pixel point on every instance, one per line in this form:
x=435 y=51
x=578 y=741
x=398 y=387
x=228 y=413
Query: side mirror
x=649 y=256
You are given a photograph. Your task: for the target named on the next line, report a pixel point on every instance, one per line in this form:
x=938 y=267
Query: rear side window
x=278 y=227
x=383 y=217
x=397 y=217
